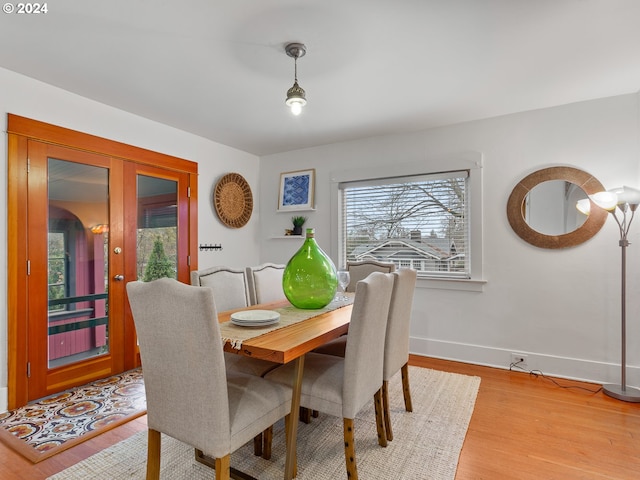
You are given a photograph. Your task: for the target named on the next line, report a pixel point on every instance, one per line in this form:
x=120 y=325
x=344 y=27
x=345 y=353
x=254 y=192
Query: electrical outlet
x=518 y=360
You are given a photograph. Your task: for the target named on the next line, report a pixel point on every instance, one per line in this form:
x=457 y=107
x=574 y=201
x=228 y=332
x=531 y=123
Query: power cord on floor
x=538 y=373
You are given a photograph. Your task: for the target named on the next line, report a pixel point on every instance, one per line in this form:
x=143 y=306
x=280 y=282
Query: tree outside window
x=159 y=265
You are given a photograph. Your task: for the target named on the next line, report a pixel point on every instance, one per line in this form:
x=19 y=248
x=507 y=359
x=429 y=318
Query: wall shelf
x=297 y=210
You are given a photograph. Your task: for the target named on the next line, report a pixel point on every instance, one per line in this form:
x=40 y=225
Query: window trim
x=471 y=161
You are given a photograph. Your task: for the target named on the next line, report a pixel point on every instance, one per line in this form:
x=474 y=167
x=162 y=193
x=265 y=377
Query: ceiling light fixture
x=295 y=95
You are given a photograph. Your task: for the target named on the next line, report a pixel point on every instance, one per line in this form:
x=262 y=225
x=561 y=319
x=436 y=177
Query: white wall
x=560 y=307
x=29 y=98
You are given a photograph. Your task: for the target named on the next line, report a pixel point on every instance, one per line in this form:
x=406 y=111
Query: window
x=418 y=221
x=57 y=268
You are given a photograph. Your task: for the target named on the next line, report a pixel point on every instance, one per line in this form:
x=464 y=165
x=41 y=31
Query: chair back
x=363 y=360
x=182 y=361
x=229 y=285
x=265 y=283
x=361 y=270
x=396 y=350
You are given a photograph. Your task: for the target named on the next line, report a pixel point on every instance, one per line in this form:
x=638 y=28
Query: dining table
x=298 y=332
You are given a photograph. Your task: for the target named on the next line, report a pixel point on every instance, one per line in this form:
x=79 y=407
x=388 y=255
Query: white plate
x=255 y=318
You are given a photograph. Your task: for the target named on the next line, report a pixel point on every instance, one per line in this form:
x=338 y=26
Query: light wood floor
x=522 y=428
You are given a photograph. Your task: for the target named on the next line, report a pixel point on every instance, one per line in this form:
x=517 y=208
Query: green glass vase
x=310 y=280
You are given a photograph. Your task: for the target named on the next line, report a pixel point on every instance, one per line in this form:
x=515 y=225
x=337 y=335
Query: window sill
x=468 y=285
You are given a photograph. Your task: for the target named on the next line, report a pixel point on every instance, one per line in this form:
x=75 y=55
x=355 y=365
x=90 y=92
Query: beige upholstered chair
x=231 y=291
x=360 y=270
x=396 y=349
x=342 y=386
x=265 y=283
x=190 y=395
x=229 y=286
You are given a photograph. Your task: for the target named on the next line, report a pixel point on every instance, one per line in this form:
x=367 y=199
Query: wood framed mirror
x=541 y=208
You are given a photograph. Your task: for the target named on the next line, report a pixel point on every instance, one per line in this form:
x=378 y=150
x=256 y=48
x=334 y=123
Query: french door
x=92 y=223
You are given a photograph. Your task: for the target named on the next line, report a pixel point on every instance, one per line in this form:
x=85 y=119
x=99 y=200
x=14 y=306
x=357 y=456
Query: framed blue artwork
x=296 y=190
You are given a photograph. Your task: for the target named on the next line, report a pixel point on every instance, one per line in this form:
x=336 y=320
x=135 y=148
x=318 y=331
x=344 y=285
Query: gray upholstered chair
x=360 y=270
x=265 y=283
x=396 y=348
x=343 y=386
x=230 y=292
x=229 y=285
x=181 y=352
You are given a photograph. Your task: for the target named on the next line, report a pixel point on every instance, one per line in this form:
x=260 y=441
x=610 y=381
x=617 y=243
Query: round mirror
x=550 y=207
x=542 y=208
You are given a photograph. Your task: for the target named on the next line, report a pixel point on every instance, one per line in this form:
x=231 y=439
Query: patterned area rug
x=426 y=444
x=53 y=424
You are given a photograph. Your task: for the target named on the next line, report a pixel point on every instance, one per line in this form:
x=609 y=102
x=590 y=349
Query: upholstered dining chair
x=360 y=270
x=230 y=286
x=265 y=283
x=396 y=348
x=343 y=386
x=190 y=395
x=231 y=291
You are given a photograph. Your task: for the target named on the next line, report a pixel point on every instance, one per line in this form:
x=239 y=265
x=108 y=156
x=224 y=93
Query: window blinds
x=419 y=221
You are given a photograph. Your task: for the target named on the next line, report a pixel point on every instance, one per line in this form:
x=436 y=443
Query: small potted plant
x=298 y=222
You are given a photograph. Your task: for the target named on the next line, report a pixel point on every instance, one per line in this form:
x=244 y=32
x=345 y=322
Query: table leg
x=290 y=470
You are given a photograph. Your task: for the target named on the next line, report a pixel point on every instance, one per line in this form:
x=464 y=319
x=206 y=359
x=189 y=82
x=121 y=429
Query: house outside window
x=414 y=221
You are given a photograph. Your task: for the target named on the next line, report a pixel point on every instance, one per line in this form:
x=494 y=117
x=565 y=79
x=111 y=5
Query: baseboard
x=556 y=366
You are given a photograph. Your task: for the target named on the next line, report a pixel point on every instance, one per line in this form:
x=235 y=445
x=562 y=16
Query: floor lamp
x=624 y=200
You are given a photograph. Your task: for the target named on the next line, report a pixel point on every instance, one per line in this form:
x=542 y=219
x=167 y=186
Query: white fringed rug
x=426 y=445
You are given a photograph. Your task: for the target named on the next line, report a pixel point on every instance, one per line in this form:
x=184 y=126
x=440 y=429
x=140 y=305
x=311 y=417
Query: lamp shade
x=605 y=200
x=627 y=195
x=584 y=206
x=296 y=99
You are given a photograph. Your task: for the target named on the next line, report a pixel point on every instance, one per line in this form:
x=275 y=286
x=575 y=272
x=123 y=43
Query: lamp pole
x=622 y=392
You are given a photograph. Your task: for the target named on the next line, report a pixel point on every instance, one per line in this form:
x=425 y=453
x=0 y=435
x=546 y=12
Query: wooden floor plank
x=526 y=427
x=523 y=428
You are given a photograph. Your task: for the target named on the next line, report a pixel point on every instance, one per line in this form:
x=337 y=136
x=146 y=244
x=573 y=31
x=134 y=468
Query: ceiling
x=217 y=68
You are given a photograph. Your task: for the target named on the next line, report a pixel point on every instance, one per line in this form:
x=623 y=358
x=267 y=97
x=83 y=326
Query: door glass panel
x=157 y=246
x=78 y=241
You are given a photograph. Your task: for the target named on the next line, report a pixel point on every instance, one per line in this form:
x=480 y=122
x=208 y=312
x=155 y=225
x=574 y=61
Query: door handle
x=118 y=278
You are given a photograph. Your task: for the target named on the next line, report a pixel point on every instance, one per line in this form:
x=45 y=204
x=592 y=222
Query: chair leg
x=350 y=449
x=377 y=403
x=406 y=391
x=153 y=454
x=386 y=414
x=305 y=415
x=223 y=468
x=257 y=445
x=267 y=438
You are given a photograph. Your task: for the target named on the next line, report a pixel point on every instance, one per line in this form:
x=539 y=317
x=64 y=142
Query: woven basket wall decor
x=233 y=200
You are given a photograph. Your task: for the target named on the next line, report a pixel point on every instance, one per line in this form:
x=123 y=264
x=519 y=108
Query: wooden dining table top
x=288 y=343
